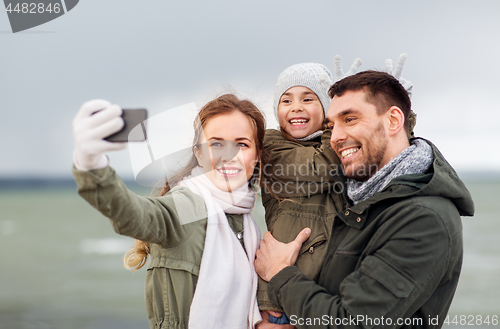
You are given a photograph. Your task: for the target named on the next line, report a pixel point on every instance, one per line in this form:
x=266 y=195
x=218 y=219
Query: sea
x=61 y=262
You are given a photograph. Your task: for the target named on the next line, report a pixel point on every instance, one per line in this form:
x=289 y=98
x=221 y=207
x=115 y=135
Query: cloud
x=163 y=56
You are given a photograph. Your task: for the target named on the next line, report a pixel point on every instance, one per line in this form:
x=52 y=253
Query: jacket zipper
x=320 y=239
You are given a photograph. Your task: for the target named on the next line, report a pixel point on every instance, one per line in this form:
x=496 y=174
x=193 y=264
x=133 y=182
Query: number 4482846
x=471 y=320
x=33 y=8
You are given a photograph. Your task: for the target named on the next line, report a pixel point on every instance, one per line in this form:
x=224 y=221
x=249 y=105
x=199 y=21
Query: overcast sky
x=163 y=54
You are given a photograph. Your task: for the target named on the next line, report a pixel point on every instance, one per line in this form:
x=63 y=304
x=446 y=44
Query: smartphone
x=134 y=129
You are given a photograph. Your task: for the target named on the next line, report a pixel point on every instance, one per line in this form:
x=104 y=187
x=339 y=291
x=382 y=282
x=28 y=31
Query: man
x=395 y=254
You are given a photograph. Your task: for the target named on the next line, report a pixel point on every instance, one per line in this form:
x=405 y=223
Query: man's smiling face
x=359 y=134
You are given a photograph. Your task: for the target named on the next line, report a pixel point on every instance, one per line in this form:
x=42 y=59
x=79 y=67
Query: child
x=297 y=188
x=198 y=230
x=305 y=186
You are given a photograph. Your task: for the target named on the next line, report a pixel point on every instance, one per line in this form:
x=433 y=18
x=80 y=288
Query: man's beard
x=373 y=153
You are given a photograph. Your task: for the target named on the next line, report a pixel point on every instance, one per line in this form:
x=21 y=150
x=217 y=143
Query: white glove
x=339 y=72
x=399 y=70
x=408 y=86
x=89 y=131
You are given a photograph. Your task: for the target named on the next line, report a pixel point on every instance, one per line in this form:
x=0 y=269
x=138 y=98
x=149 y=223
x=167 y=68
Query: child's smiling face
x=300 y=112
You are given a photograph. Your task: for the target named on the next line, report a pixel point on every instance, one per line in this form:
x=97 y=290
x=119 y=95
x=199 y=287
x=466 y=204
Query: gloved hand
x=339 y=72
x=89 y=131
x=399 y=70
x=412 y=117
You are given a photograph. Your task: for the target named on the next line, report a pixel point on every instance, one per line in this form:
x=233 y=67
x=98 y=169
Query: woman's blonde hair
x=137 y=256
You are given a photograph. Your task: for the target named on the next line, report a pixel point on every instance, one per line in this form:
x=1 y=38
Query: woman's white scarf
x=225 y=295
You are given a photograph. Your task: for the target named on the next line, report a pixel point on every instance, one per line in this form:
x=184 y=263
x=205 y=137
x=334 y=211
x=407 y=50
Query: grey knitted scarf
x=415 y=159
x=311 y=136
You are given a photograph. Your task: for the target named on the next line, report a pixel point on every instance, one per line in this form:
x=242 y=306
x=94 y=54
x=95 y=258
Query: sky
x=161 y=55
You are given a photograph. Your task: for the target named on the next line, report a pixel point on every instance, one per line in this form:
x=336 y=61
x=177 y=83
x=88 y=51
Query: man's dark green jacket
x=393 y=260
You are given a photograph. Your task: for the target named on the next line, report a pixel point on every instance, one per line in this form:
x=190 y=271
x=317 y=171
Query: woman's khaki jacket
x=176 y=245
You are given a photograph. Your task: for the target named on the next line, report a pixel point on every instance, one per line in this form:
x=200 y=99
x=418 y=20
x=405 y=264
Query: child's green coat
x=308 y=188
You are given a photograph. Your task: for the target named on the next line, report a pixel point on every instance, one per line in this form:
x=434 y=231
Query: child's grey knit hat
x=314 y=76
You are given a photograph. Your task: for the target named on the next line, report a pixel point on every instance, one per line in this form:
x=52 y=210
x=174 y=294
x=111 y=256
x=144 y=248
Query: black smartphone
x=134 y=129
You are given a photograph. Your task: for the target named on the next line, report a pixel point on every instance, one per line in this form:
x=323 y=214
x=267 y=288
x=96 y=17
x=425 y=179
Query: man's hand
x=273 y=256
x=265 y=324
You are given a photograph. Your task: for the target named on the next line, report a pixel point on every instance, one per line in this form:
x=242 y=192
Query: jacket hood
x=439 y=180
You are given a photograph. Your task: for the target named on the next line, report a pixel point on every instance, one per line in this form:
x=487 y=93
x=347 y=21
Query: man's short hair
x=382 y=90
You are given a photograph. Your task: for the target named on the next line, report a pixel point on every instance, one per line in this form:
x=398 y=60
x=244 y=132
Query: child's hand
x=89 y=129
x=407 y=85
x=339 y=72
x=399 y=70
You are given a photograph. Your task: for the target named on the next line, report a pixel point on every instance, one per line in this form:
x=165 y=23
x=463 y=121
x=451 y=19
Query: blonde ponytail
x=136 y=257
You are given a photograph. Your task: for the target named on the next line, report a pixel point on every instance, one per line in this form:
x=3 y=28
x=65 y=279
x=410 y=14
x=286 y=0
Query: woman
x=198 y=230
